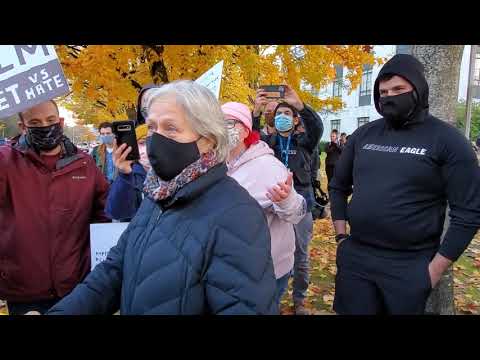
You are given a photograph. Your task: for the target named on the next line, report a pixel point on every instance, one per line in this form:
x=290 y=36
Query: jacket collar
x=254 y=151
x=198 y=186
x=69 y=151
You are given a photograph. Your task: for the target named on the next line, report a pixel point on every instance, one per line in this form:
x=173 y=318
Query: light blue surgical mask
x=106 y=139
x=283 y=123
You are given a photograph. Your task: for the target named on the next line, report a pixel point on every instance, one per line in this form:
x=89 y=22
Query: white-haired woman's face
x=167 y=118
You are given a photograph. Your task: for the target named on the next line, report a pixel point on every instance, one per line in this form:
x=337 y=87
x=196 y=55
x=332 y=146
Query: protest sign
x=212 y=79
x=29 y=75
x=102 y=238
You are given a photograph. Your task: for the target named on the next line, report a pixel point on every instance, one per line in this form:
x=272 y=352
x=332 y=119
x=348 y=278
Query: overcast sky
x=67 y=115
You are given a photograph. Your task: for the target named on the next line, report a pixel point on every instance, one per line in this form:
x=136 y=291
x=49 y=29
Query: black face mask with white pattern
x=45 y=138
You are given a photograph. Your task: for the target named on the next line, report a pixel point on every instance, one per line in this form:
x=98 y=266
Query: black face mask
x=398 y=109
x=45 y=138
x=168 y=158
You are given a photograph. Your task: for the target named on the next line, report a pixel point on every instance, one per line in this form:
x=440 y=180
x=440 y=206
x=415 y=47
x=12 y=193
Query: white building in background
x=359 y=107
x=464 y=72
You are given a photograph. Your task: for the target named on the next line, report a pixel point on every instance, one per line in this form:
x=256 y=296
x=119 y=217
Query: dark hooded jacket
x=403 y=177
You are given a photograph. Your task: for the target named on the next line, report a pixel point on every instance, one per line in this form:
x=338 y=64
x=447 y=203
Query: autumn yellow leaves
x=105 y=79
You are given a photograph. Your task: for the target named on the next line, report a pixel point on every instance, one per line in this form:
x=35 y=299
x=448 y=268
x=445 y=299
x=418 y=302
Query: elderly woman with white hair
x=199 y=244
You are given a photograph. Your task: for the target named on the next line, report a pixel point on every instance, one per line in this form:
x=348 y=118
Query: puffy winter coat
x=204 y=251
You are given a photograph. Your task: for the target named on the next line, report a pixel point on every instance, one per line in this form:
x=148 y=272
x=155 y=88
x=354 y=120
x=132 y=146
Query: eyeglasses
x=232 y=122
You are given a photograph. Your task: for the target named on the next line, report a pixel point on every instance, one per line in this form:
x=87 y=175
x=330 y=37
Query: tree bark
x=442 y=71
x=158 y=69
x=132 y=112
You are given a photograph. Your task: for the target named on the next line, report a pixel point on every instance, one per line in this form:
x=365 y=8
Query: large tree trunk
x=442 y=70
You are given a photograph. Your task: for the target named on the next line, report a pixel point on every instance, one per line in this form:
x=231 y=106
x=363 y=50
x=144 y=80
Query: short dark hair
x=347 y=137
x=286 y=105
x=385 y=77
x=334 y=131
x=105 y=125
x=343 y=134
x=52 y=101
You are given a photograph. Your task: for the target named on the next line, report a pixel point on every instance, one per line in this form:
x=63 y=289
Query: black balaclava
x=408 y=107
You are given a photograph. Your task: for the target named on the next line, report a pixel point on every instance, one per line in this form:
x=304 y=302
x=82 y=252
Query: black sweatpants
x=329 y=169
x=371 y=281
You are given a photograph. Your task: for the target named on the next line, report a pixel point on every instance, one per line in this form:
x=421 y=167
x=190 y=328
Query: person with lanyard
x=285 y=148
x=294 y=149
x=282 y=205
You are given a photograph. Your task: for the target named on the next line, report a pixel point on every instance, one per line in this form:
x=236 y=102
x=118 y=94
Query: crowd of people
x=221 y=207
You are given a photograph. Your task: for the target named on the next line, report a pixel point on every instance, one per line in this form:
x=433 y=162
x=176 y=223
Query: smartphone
x=124 y=132
x=274 y=91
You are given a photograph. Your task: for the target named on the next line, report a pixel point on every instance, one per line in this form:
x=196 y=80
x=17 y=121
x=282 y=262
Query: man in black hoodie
x=402 y=170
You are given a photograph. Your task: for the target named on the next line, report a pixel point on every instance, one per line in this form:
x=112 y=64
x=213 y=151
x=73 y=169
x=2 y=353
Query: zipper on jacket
x=53 y=175
x=50 y=227
x=142 y=254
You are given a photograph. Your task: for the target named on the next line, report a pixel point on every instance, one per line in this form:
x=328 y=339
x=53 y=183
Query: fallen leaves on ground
x=466 y=280
x=323 y=269
x=321 y=291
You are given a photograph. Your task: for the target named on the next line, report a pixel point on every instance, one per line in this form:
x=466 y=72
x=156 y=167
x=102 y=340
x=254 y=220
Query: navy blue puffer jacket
x=206 y=251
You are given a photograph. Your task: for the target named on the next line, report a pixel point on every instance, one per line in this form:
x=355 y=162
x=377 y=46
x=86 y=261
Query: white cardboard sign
x=212 y=79
x=102 y=238
x=29 y=75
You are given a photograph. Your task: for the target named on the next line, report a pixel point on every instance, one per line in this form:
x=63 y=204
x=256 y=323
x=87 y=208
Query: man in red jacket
x=49 y=194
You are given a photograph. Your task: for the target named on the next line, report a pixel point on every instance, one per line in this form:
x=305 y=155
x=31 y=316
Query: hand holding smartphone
x=124 y=132
x=273 y=91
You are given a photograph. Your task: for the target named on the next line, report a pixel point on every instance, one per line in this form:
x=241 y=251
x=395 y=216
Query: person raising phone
x=126 y=193
x=295 y=150
x=267 y=107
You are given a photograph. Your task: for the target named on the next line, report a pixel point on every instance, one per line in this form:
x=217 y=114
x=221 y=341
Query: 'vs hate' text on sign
x=29 y=75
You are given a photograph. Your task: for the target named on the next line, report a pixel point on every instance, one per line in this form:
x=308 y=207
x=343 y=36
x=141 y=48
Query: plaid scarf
x=159 y=189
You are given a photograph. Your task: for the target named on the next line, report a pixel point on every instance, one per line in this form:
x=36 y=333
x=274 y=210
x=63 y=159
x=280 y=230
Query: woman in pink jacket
x=253 y=164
